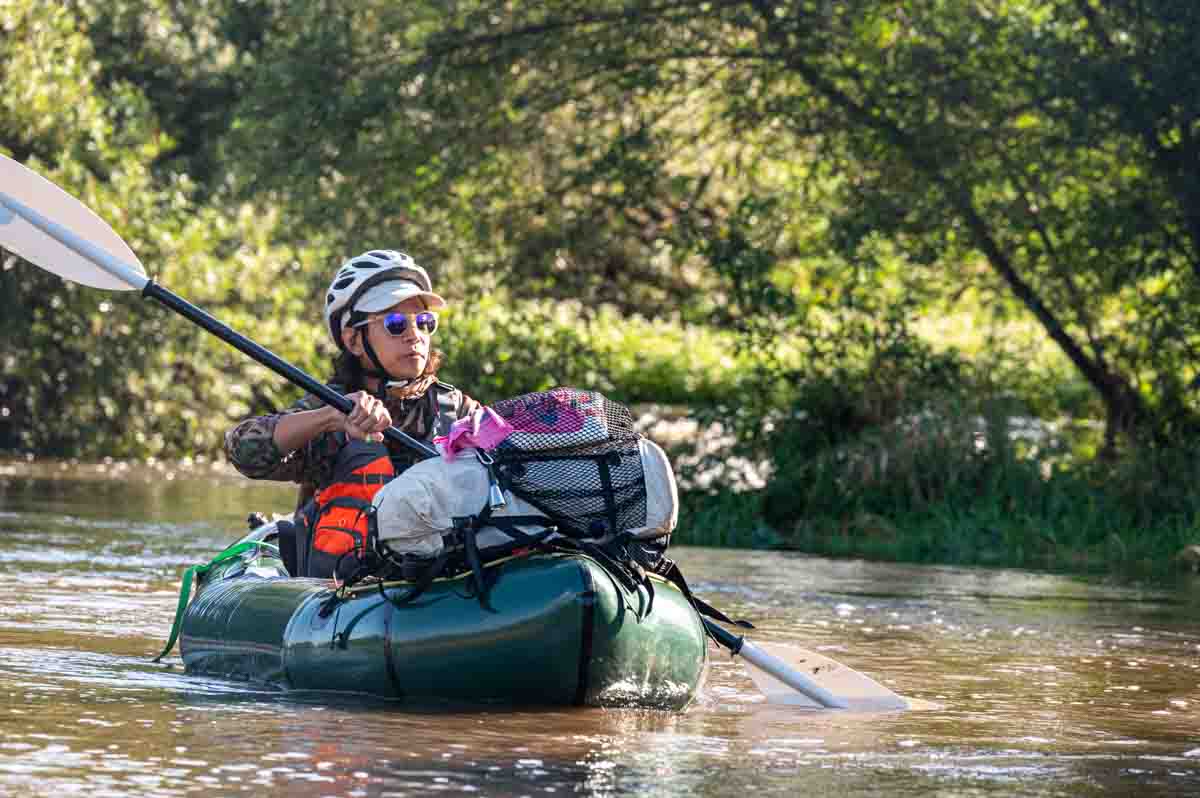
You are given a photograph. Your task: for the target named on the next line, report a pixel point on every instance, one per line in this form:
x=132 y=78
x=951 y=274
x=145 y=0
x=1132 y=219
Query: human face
x=404 y=356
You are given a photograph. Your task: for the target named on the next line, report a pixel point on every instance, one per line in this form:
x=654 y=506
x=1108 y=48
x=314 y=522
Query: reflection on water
x=1044 y=685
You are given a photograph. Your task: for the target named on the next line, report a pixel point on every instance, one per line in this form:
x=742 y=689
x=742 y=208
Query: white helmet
x=357 y=275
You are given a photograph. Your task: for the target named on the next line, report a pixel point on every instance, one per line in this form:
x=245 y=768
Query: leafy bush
x=497 y=348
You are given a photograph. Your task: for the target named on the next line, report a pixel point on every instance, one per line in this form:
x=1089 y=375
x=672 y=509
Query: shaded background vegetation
x=931 y=265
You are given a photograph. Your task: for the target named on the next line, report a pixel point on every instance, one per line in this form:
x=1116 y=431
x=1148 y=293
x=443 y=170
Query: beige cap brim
x=393 y=292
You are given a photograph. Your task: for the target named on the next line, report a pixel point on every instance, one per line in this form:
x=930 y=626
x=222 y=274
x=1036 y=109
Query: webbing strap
x=670 y=571
x=446 y=404
x=369 y=479
x=426 y=579
x=185 y=590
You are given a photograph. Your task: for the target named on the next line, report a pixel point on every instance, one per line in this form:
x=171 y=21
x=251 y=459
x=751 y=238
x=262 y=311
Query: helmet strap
x=381 y=374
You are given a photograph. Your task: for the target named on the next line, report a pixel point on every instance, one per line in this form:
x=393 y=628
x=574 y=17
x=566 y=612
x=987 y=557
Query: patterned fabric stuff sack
x=565 y=458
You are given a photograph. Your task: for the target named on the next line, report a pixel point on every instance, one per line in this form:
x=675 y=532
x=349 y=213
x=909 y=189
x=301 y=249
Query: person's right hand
x=368 y=419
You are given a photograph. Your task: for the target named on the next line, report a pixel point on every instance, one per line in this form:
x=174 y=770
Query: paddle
x=51 y=229
x=781 y=671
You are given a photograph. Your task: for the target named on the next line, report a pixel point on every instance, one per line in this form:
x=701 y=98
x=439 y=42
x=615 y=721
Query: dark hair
x=347 y=372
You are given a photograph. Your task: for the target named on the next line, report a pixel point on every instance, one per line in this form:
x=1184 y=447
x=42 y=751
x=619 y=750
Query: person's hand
x=368 y=419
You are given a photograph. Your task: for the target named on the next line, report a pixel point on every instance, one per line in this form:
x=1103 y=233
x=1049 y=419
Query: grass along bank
x=963 y=490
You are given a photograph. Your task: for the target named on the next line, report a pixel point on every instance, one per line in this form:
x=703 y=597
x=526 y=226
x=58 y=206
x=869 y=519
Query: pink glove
x=482 y=429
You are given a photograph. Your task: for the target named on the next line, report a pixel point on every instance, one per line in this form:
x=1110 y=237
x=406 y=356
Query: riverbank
x=954 y=490
x=992 y=510
x=987 y=534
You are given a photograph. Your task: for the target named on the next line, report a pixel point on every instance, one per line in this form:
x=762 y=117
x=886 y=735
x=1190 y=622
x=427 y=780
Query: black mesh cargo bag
x=575 y=456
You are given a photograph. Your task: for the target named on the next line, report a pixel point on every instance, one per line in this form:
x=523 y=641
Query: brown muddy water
x=1044 y=685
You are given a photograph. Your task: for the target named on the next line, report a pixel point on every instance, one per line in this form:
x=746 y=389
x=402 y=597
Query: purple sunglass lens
x=427 y=321
x=397 y=323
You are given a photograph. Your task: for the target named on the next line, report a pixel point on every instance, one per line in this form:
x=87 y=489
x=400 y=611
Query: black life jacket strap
x=351 y=456
x=367 y=479
x=363 y=559
x=353 y=503
x=446 y=403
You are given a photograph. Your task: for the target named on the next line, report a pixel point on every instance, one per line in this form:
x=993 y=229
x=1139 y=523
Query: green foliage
x=759 y=211
x=498 y=349
x=966 y=485
x=1038 y=152
x=88 y=373
x=722 y=518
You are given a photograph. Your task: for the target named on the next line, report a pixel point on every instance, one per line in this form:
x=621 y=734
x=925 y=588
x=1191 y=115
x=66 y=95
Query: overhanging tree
x=596 y=143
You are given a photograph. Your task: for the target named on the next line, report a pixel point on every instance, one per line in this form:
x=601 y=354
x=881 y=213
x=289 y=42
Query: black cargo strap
x=431 y=572
x=382 y=561
x=467 y=527
x=361 y=565
x=509 y=525
x=622 y=572
x=422 y=571
x=478 y=579
x=668 y=570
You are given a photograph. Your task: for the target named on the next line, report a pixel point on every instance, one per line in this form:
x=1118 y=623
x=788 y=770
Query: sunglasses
x=397 y=323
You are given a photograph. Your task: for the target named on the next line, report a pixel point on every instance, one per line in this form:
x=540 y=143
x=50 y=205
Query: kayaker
x=381 y=312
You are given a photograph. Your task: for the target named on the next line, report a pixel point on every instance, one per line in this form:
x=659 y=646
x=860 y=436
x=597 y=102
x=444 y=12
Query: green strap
x=185 y=590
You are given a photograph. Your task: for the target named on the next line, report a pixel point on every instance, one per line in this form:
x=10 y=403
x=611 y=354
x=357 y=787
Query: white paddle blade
x=852 y=690
x=51 y=229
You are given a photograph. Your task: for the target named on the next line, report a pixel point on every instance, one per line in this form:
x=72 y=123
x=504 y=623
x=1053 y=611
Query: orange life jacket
x=343 y=506
x=336 y=521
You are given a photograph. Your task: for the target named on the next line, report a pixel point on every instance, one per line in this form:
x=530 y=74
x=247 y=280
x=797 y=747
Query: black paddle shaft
x=272 y=361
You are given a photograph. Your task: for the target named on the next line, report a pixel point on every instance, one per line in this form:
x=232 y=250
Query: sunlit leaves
x=808 y=174
x=85 y=372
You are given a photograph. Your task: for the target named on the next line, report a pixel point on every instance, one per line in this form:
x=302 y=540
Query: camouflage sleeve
x=250 y=447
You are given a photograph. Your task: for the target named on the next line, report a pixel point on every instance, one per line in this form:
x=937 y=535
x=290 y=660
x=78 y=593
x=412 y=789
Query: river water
x=1040 y=684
